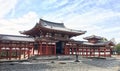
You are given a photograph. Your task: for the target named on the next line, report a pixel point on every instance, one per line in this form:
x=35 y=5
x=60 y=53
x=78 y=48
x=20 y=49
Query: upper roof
x=16 y=38
x=51 y=24
x=48 y=26
x=93 y=37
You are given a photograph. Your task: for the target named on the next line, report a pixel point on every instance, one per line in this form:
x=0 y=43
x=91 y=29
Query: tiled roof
x=16 y=38
x=58 y=26
x=95 y=44
x=93 y=37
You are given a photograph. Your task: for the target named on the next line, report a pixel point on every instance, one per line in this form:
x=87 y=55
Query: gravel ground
x=63 y=65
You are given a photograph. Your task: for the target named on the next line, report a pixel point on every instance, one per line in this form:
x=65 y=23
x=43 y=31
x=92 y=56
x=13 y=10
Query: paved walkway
x=63 y=65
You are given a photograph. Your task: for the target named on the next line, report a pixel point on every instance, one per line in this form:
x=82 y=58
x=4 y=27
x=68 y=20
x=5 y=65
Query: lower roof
x=110 y=43
x=4 y=37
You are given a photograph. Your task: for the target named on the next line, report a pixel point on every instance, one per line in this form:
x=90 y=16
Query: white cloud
x=113 y=29
x=52 y=4
x=6 y=6
x=12 y=26
x=88 y=17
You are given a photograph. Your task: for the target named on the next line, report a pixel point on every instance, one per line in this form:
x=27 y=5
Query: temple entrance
x=59 y=47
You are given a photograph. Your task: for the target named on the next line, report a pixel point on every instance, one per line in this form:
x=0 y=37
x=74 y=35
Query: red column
x=104 y=52
x=41 y=48
x=82 y=51
x=19 y=53
x=98 y=52
x=16 y=53
x=46 y=49
x=90 y=54
x=33 y=48
x=55 y=49
x=28 y=52
x=37 y=52
x=72 y=49
x=65 y=50
x=24 y=50
x=93 y=52
x=10 y=51
x=69 y=50
x=86 y=52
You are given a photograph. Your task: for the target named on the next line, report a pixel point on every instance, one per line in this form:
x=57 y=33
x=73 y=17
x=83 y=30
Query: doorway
x=59 y=47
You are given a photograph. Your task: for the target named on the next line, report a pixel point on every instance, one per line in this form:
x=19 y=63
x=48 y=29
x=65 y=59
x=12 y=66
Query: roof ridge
x=50 y=21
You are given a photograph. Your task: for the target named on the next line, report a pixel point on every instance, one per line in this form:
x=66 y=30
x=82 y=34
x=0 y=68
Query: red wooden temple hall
x=50 y=38
x=15 y=47
x=95 y=47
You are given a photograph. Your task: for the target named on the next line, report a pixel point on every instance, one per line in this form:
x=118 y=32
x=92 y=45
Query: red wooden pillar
x=82 y=51
x=93 y=52
x=19 y=53
x=28 y=52
x=10 y=52
x=32 y=45
x=46 y=49
x=41 y=48
x=86 y=52
x=64 y=50
x=24 y=50
x=38 y=50
x=72 y=49
x=90 y=54
x=54 y=49
x=16 y=52
x=98 y=52
x=69 y=50
x=104 y=52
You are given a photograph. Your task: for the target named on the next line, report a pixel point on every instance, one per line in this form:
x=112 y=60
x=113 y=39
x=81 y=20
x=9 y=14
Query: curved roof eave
x=56 y=27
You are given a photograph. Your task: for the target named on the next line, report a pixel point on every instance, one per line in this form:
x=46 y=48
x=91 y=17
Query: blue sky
x=97 y=17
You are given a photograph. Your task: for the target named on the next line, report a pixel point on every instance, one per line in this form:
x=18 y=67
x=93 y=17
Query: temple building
x=50 y=38
x=95 y=46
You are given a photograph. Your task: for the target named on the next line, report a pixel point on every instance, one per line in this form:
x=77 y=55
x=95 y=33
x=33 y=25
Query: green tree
x=117 y=47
